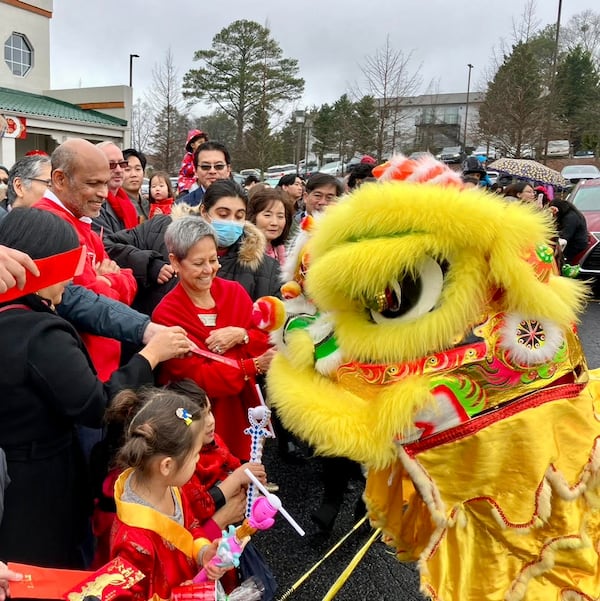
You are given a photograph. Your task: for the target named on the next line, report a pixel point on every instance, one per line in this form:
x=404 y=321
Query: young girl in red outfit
x=217 y=489
x=155 y=530
x=160 y=194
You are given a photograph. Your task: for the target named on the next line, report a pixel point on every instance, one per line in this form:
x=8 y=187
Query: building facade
x=33 y=116
x=429 y=122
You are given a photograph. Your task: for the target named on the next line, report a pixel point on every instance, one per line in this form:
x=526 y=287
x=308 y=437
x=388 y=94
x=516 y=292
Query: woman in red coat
x=217 y=315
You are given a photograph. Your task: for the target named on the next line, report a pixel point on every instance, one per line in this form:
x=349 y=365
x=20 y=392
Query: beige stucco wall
x=36 y=28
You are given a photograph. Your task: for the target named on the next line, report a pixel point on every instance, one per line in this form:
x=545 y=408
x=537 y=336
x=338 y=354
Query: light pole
x=131 y=57
x=467 y=108
x=308 y=123
x=299 y=118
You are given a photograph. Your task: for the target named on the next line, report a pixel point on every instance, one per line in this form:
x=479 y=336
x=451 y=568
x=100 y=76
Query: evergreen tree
x=514 y=102
x=242 y=73
x=578 y=94
x=364 y=125
x=219 y=126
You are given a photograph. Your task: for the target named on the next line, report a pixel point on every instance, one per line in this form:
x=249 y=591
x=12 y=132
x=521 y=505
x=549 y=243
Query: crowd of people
x=134 y=362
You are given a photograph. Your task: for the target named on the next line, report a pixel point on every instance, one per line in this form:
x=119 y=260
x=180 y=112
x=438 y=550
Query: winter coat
x=143 y=250
x=246 y=262
x=50 y=387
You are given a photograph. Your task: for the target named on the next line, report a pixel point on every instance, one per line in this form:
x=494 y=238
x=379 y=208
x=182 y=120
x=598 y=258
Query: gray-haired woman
x=217 y=315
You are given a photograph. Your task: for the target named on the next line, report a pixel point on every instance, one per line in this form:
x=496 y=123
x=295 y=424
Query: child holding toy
x=217 y=489
x=155 y=529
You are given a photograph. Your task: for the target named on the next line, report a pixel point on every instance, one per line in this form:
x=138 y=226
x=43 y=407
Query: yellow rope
x=306 y=575
x=337 y=585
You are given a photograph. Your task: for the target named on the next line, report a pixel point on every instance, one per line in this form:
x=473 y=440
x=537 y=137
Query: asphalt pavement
x=379 y=576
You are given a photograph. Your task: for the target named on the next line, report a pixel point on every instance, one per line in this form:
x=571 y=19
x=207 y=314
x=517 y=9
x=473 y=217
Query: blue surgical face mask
x=228 y=232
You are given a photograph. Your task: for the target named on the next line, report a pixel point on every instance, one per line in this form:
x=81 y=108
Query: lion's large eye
x=412 y=296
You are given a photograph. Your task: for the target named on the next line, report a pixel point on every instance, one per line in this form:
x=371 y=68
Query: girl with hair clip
x=155 y=529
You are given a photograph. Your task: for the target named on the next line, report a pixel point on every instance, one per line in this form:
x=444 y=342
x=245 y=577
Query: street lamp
x=467 y=108
x=299 y=118
x=308 y=123
x=131 y=57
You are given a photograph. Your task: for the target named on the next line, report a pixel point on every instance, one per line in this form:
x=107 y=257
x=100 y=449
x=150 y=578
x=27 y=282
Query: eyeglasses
x=46 y=182
x=122 y=164
x=215 y=166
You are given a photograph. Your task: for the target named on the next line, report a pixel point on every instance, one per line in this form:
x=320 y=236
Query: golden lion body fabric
x=461 y=385
x=508 y=512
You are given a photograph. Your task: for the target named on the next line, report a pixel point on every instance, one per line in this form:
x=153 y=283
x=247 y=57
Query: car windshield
x=587 y=199
x=590 y=169
x=280 y=168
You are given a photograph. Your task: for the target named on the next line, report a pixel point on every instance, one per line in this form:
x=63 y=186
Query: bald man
x=80 y=176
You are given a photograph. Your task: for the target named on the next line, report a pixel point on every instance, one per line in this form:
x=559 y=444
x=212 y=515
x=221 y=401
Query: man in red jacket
x=80 y=176
x=118 y=212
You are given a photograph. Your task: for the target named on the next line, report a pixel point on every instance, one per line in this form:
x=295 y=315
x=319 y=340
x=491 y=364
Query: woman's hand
x=222 y=339
x=167 y=344
x=7 y=576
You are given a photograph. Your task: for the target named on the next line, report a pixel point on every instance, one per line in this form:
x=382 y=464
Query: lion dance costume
x=428 y=337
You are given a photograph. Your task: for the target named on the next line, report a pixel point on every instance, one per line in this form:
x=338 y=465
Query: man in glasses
x=118 y=212
x=28 y=179
x=212 y=162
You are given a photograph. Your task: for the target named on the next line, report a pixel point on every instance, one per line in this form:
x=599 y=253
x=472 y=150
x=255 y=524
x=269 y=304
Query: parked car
x=574 y=173
x=145 y=190
x=492 y=176
x=451 y=154
x=418 y=154
x=247 y=172
x=558 y=148
x=490 y=153
x=280 y=170
x=238 y=178
x=584 y=154
x=334 y=168
x=586 y=197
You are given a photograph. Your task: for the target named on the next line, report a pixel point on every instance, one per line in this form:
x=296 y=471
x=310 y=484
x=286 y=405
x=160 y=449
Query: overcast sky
x=91 y=41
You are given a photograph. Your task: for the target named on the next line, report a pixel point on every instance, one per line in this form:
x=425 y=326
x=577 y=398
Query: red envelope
x=106 y=584
x=43 y=583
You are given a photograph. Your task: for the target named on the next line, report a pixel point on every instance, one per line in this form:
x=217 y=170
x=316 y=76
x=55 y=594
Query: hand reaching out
x=7 y=576
x=13 y=267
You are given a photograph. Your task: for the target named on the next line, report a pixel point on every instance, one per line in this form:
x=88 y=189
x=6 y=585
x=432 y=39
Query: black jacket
x=143 y=250
x=245 y=262
x=50 y=387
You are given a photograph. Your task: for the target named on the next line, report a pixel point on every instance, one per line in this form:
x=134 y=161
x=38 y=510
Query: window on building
x=451 y=115
x=18 y=54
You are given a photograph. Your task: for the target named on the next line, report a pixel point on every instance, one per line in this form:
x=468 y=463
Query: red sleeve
x=200 y=501
x=139 y=552
x=124 y=285
x=216 y=379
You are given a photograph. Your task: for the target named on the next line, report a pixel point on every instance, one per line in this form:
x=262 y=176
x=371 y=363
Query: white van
x=558 y=148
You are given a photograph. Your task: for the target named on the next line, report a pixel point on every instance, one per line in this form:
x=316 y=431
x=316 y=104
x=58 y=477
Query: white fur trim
x=524 y=352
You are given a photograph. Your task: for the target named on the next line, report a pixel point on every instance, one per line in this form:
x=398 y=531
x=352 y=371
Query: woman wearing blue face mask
x=241 y=244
